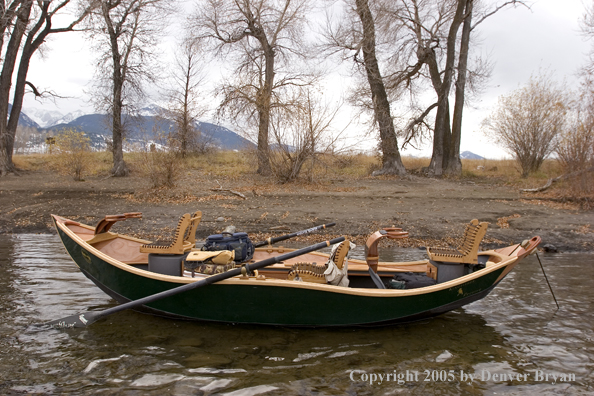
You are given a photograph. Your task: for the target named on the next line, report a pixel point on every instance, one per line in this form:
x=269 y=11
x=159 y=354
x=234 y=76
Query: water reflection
x=515 y=331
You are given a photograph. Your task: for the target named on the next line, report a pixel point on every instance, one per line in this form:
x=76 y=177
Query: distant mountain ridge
x=24 y=119
x=143 y=128
x=470 y=155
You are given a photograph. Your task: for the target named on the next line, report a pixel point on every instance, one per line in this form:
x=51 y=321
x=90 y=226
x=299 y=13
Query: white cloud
x=520 y=42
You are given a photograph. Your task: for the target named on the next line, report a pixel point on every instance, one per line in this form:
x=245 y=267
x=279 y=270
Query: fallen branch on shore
x=556 y=179
x=228 y=190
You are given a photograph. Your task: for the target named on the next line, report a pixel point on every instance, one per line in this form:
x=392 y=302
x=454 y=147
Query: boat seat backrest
x=190 y=236
x=177 y=246
x=341 y=253
x=467 y=252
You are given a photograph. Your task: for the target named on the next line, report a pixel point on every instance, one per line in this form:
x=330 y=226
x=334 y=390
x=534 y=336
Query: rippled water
x=514 y=331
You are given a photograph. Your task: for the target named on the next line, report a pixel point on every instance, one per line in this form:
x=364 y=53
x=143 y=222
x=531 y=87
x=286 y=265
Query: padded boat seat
x=184 y=238
x=308 y=272
x=467 y=252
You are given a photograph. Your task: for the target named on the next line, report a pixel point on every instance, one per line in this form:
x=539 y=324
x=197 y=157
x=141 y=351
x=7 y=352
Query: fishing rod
x=271 y=240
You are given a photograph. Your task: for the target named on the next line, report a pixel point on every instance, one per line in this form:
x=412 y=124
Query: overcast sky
x=520 y=43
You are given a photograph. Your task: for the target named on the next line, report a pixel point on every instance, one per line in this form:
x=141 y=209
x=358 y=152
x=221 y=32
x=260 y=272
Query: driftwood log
x=558 y=178
x=228 y=190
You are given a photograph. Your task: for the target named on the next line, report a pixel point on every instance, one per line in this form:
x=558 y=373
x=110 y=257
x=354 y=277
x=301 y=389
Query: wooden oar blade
x=78 y=320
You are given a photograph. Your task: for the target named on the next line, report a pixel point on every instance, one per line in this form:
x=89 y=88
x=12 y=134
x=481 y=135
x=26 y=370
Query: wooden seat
x=467 y=252
x=341 y=252
x=190 y=237
x=178 y=245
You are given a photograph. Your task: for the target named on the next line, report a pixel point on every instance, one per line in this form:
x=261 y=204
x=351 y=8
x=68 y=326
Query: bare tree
x=265 y=40
x=587 y=28
x=184 y=107
x=576 y=144
x=527 y=122
x=125 y=34
x=356 y=36
x=300 y=137
x=26 y=24
x=431 y=42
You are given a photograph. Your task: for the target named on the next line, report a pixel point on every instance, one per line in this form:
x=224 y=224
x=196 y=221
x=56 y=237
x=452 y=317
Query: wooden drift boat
x=294 y=292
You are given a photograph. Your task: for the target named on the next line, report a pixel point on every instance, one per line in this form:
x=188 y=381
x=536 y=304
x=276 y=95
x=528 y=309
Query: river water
x=512 y=342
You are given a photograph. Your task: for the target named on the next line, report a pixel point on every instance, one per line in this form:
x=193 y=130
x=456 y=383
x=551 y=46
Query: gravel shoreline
x=433 y=211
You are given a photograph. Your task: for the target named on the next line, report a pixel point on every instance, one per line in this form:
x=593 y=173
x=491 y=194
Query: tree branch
x=558 y=178
x=487 y=15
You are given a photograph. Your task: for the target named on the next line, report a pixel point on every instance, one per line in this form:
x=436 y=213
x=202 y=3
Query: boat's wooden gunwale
x=291 y=284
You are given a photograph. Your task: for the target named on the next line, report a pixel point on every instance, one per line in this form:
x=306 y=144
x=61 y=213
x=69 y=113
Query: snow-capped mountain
x=151 y=111
x=147 y=123
x=24 y=120
x=43 y=118
x=47 y=118
x=68 y=118
x=470 y=155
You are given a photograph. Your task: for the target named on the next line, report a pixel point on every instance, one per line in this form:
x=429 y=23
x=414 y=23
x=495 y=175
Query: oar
x=547 y=279
x=270 y=241
x=87 y=318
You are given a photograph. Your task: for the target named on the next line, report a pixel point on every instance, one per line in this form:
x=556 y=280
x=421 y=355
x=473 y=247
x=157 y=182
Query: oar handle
x=270 y=241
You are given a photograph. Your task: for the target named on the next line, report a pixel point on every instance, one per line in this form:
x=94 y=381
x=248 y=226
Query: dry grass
x=230 y=165
x=227 y=164
x=31 y=162
x=509 y=172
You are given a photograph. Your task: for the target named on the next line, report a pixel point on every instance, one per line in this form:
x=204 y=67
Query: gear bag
x=238 y=242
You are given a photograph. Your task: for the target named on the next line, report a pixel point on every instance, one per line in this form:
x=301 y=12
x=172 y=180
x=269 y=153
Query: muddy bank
x=433 y=211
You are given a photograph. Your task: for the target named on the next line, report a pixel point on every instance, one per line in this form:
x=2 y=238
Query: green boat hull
x=271 y=303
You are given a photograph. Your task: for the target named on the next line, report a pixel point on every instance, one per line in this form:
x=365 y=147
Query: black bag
x=411 y=280
x=238 y=242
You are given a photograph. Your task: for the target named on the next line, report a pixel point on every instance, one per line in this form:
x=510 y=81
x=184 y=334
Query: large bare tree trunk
x=391 y=161
x=119 y=168
x=263 y=105
x=454 y=165
x=35 y=37
x=12 y=50
x=442 y=134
